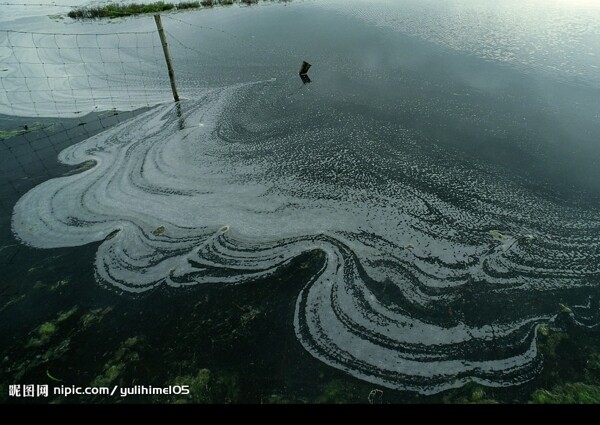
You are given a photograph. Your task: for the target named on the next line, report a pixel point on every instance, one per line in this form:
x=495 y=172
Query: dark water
x=422 y=215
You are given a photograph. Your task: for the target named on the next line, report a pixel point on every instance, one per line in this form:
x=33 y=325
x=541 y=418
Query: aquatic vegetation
x=187 y=5
x=87 y=165
x=13 y=300
x=117 y=10
x=112 y=234
x=470 y=394
x=575 y=393
x=9 y=134
x=200 y=392
x=249 y=315
x=94 y=316
x=66 y=314
x=564 y=309
x=209 y=387
x=46 y=330
x=43 y=334
x=121 y=360
x=60 y=284
x=338 y=392
x=594 y=362
x=498 y=235
x=159 y=231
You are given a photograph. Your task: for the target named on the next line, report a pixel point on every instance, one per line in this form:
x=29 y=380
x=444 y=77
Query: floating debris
x=375 y=396
x=60 y=284
x=49 y=375
x=94 y=316
x=498 y=235
x=87 y=165
x=159 y=231
x=564 y=309
x=304 y=72
x=112 y=234
x=304 y=68
x=65 y=315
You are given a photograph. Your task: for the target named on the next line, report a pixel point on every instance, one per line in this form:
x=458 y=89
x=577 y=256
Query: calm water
x=410 y=220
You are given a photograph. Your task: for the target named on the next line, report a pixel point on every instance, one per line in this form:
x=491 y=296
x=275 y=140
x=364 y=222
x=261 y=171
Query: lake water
x=415 y=218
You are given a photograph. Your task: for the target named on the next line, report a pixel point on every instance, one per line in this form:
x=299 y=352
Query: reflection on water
x=455 y=199
x=558 y=37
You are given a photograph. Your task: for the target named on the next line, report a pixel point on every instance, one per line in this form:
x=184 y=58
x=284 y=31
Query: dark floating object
x=304 y=71
x=304 y=68
x=305 y=78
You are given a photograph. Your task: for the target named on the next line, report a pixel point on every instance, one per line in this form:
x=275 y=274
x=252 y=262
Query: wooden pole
x=163 y=40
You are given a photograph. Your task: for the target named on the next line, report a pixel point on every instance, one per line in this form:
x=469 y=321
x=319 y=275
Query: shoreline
x=121 y=10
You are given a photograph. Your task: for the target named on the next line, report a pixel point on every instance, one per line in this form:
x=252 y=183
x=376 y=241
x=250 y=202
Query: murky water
x=443 y=161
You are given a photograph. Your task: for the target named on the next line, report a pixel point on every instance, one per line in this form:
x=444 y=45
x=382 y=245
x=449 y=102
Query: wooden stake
x=163 y=40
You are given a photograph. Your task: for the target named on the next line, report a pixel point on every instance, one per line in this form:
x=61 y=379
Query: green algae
x=122 y=359
x=159 y=231
x=498 y=235
x=43 y=334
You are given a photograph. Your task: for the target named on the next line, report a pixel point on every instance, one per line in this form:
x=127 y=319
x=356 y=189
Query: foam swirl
x=436 y=271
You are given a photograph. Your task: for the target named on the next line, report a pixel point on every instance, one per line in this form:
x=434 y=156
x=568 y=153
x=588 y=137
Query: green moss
x=576 y=393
